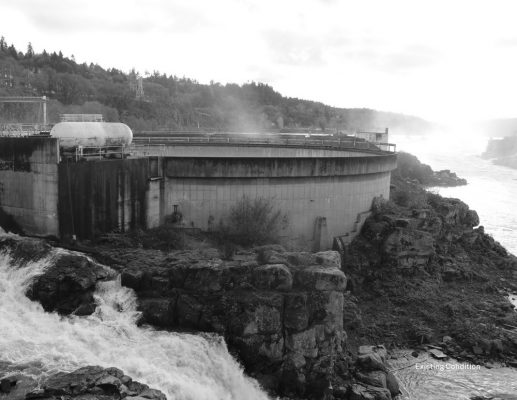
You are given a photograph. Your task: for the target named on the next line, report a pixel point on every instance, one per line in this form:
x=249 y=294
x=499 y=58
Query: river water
x=491 y=189
x=492 y=192
x=183 y=366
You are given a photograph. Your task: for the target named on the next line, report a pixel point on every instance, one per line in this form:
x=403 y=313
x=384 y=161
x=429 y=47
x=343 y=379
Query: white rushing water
x=183 y=366
x=492 y=192
x=425 y=378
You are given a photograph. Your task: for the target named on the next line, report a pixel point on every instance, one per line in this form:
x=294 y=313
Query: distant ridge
x=165 y=102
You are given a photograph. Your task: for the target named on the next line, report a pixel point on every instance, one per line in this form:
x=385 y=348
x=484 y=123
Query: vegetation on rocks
x=410 y=168
x=253 y=222
x=423 y=270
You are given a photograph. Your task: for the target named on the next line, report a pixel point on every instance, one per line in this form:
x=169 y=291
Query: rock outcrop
x=373 y=375
x=91 y=383
x=68 y=284
x=280 y=312
x=421 y=270
x=502 y=151
x=410 y=168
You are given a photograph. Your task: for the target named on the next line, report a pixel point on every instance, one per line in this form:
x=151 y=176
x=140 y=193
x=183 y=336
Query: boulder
x=303 y=343
x=5 y=385
x=93 y=383
x=409 y=248
x=392 y=384
x=158 y=311
x=439 y=355
x=380 y=350
x=272 y=277
x=373 y=378
x=317 y=277
x=331 y=259
x=271 y=254
x=16 y=387
x=371 y=362
x=68 y=284
x=363 y=392
x=132 y=278
x=26 y=249
x=301 y=258
x=296 y=312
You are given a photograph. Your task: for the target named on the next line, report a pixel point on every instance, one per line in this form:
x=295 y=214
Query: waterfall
x=183 y=366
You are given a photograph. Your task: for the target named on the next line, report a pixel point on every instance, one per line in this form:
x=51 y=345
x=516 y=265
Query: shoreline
x=435 y=248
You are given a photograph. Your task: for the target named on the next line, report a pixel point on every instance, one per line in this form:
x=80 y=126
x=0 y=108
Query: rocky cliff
x=502 y=151
x=281 y=313
x=409 y=167
x=424 y=270
x=88 y=383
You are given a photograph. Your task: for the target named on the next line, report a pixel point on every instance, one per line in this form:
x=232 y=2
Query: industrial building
x=86 y=177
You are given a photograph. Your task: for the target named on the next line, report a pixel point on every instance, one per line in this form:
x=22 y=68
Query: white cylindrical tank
x=92 y=134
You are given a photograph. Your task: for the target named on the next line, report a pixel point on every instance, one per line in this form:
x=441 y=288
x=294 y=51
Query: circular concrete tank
x=92 y=134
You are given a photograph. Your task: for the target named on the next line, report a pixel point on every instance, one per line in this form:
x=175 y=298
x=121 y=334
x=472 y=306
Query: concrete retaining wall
x=321 y=191
x=29 y=184
x=205 y=202
x=103 y=196
x=321 y=197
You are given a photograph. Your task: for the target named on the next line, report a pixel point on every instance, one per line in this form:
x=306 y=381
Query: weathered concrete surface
x=182 y=167
x=29 y=184
x=339 y=200
x=103 y=196
x=322 y=193
x=181 y=150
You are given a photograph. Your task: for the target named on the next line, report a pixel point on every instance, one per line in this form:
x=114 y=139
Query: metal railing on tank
x=80 y=153
x=23 y=129
x=147 y=150
x=329 y=143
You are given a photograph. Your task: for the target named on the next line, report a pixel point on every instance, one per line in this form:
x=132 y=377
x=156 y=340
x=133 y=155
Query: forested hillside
x=170 y=102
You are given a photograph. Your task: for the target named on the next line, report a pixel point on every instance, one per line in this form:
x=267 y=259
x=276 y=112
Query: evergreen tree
x=30 y=51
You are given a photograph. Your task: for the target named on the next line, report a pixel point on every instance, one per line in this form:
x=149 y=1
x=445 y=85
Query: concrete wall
x=183 y=167
x=29 y=183
x=104 y=196
x=308 y=191
x=321 y=191
x=205 y=202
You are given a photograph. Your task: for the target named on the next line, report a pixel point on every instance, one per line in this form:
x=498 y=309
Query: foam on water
x=425 y=378
x=183 y=366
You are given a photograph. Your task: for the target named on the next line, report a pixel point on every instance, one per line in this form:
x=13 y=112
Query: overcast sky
x=443 y=60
